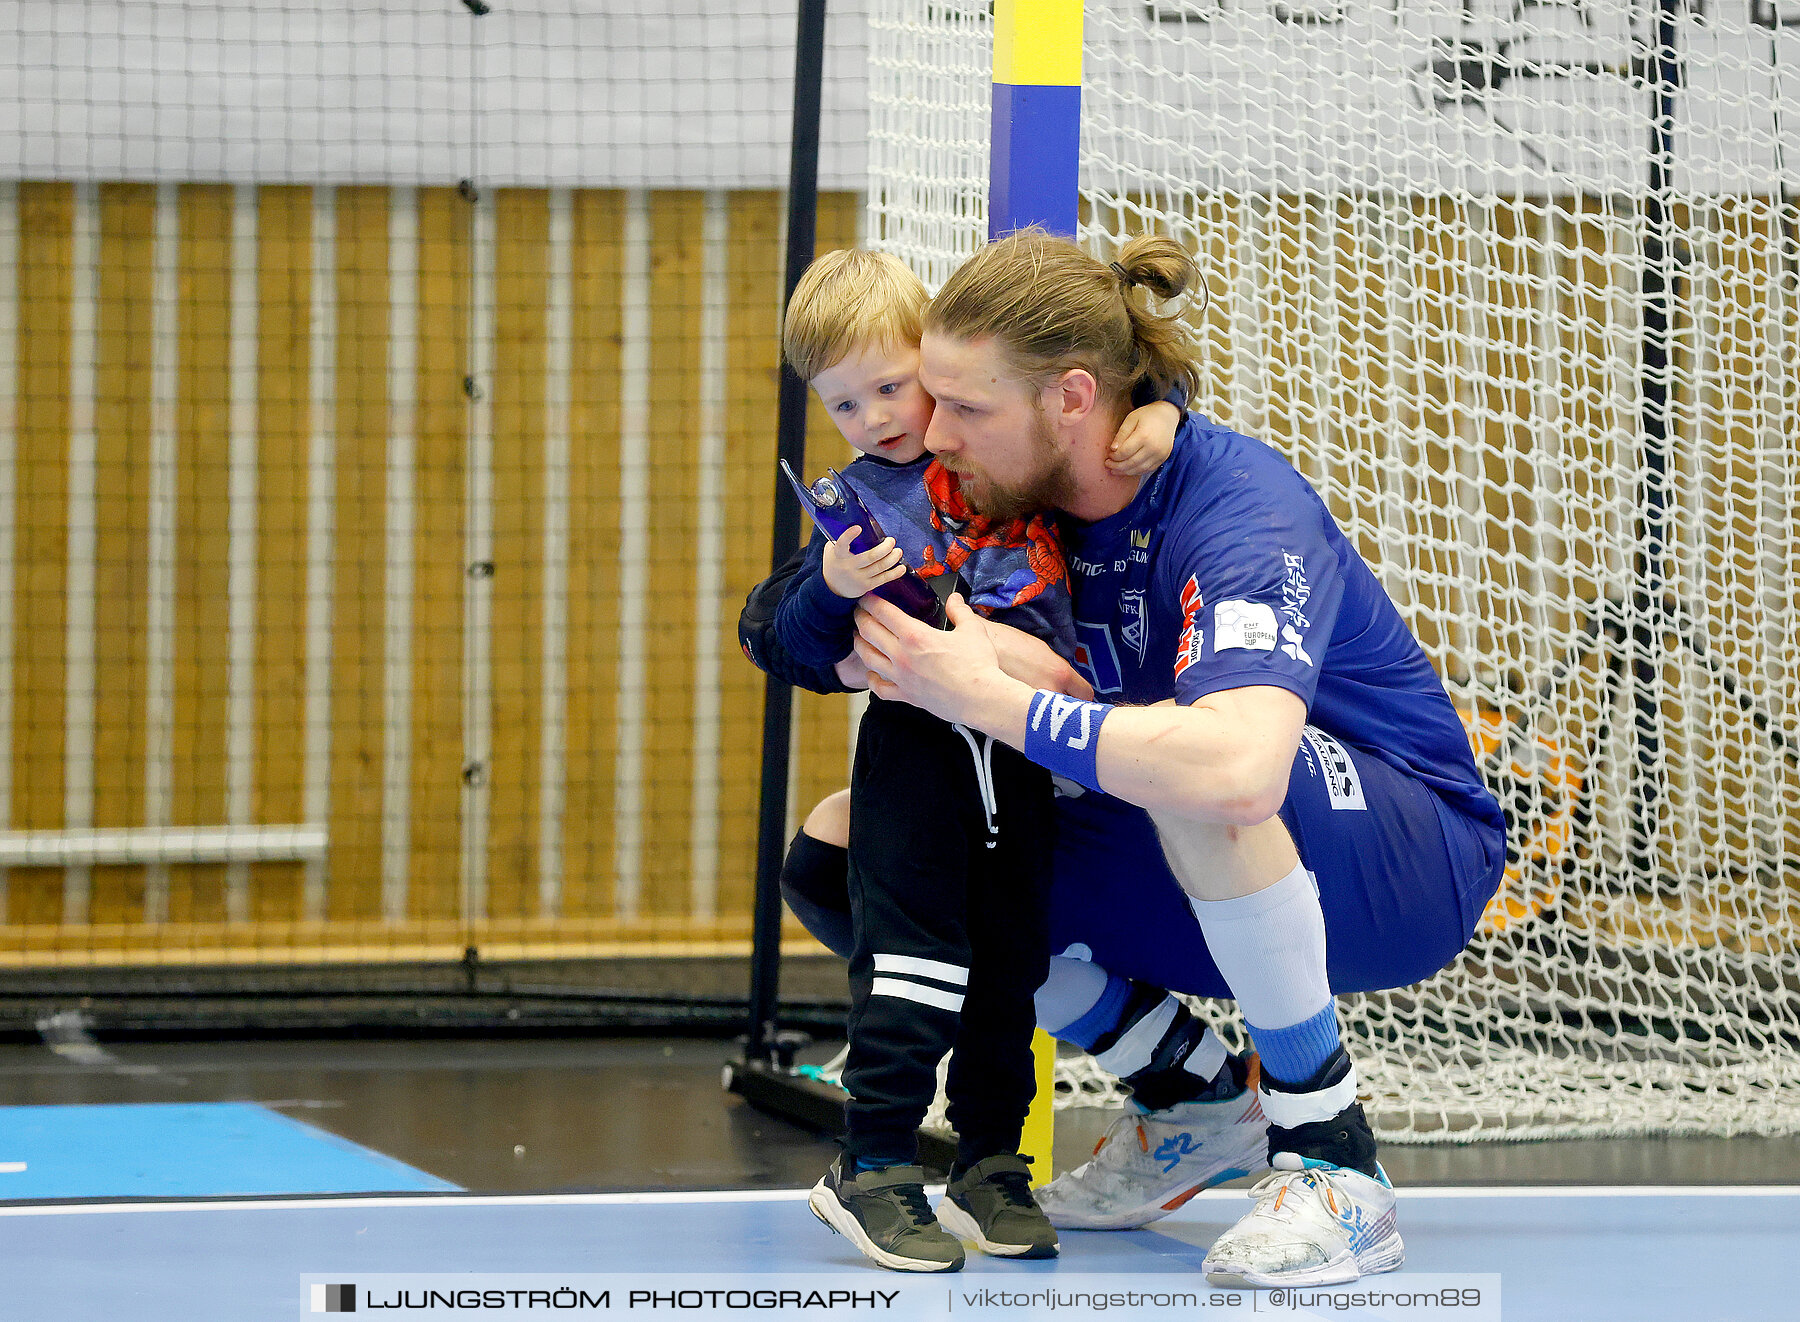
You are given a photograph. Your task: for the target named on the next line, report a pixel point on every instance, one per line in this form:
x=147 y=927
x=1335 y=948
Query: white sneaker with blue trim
x=1151 y=1162
x=1313 y=1224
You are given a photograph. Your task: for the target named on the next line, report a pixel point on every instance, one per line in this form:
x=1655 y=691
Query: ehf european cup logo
x=334 y=1299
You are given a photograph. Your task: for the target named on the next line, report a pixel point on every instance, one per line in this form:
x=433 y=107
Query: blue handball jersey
x=1226 y=571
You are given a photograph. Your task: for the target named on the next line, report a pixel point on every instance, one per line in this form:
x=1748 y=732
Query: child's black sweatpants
x=949 y=880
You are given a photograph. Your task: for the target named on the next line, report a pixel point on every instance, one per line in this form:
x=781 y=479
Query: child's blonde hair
x=850 y=299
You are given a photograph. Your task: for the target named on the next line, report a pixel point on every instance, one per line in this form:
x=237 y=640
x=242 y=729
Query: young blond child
x=948 y=830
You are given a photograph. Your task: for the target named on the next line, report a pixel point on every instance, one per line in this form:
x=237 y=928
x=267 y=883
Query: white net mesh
x=1518 y=287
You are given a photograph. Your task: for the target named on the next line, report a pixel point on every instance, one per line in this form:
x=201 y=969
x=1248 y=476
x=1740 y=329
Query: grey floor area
x=514 y=1115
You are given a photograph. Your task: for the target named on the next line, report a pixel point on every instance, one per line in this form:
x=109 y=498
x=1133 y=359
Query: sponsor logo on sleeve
x=1294 y=592
x=1193 y=637
x=1243 y=625
x=1292 y=644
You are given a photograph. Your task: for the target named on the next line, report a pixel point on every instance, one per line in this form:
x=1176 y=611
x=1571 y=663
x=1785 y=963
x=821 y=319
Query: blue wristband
x=1062 y=734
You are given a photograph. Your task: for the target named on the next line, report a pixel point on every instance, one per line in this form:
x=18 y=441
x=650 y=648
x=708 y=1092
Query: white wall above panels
x=1221 y=94
x=1507 y=96
x=600 y=93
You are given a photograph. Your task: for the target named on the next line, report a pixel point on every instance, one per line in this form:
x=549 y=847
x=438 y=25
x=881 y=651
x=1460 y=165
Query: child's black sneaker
x=885 y=1214
x=991 y=1204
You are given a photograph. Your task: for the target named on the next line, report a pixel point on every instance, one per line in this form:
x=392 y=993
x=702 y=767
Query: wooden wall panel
x=202 y=354
x=1732 y=512
x=284 y=420
x=597 y=269
x=202 y=544
x=1440 y=248
x=357 y=671
x=440 y=560
x=822 y=761
x=676 y=256
x=522 y=236
x=1466 y=333
x=752 y=383
x=125 y=284
x=41 y=534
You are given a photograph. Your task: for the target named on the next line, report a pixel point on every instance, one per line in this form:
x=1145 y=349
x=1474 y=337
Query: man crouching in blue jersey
x=1319 y=823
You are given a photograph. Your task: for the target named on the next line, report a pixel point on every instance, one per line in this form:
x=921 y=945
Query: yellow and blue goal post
x=1034 y=178
x=1034 y=170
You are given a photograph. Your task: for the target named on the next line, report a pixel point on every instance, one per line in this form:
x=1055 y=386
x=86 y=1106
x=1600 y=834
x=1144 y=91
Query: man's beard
x=1050 y=487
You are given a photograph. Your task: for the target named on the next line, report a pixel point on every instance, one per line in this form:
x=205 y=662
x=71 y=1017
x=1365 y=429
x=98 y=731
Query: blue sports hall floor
x=228 y=1180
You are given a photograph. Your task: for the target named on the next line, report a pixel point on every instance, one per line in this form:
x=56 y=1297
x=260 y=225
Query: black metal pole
x=1660 y=288
x=778 y=700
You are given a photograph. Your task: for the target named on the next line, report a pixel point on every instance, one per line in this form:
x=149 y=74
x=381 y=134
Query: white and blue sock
x=1270 y=947
x=1138 y=1032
